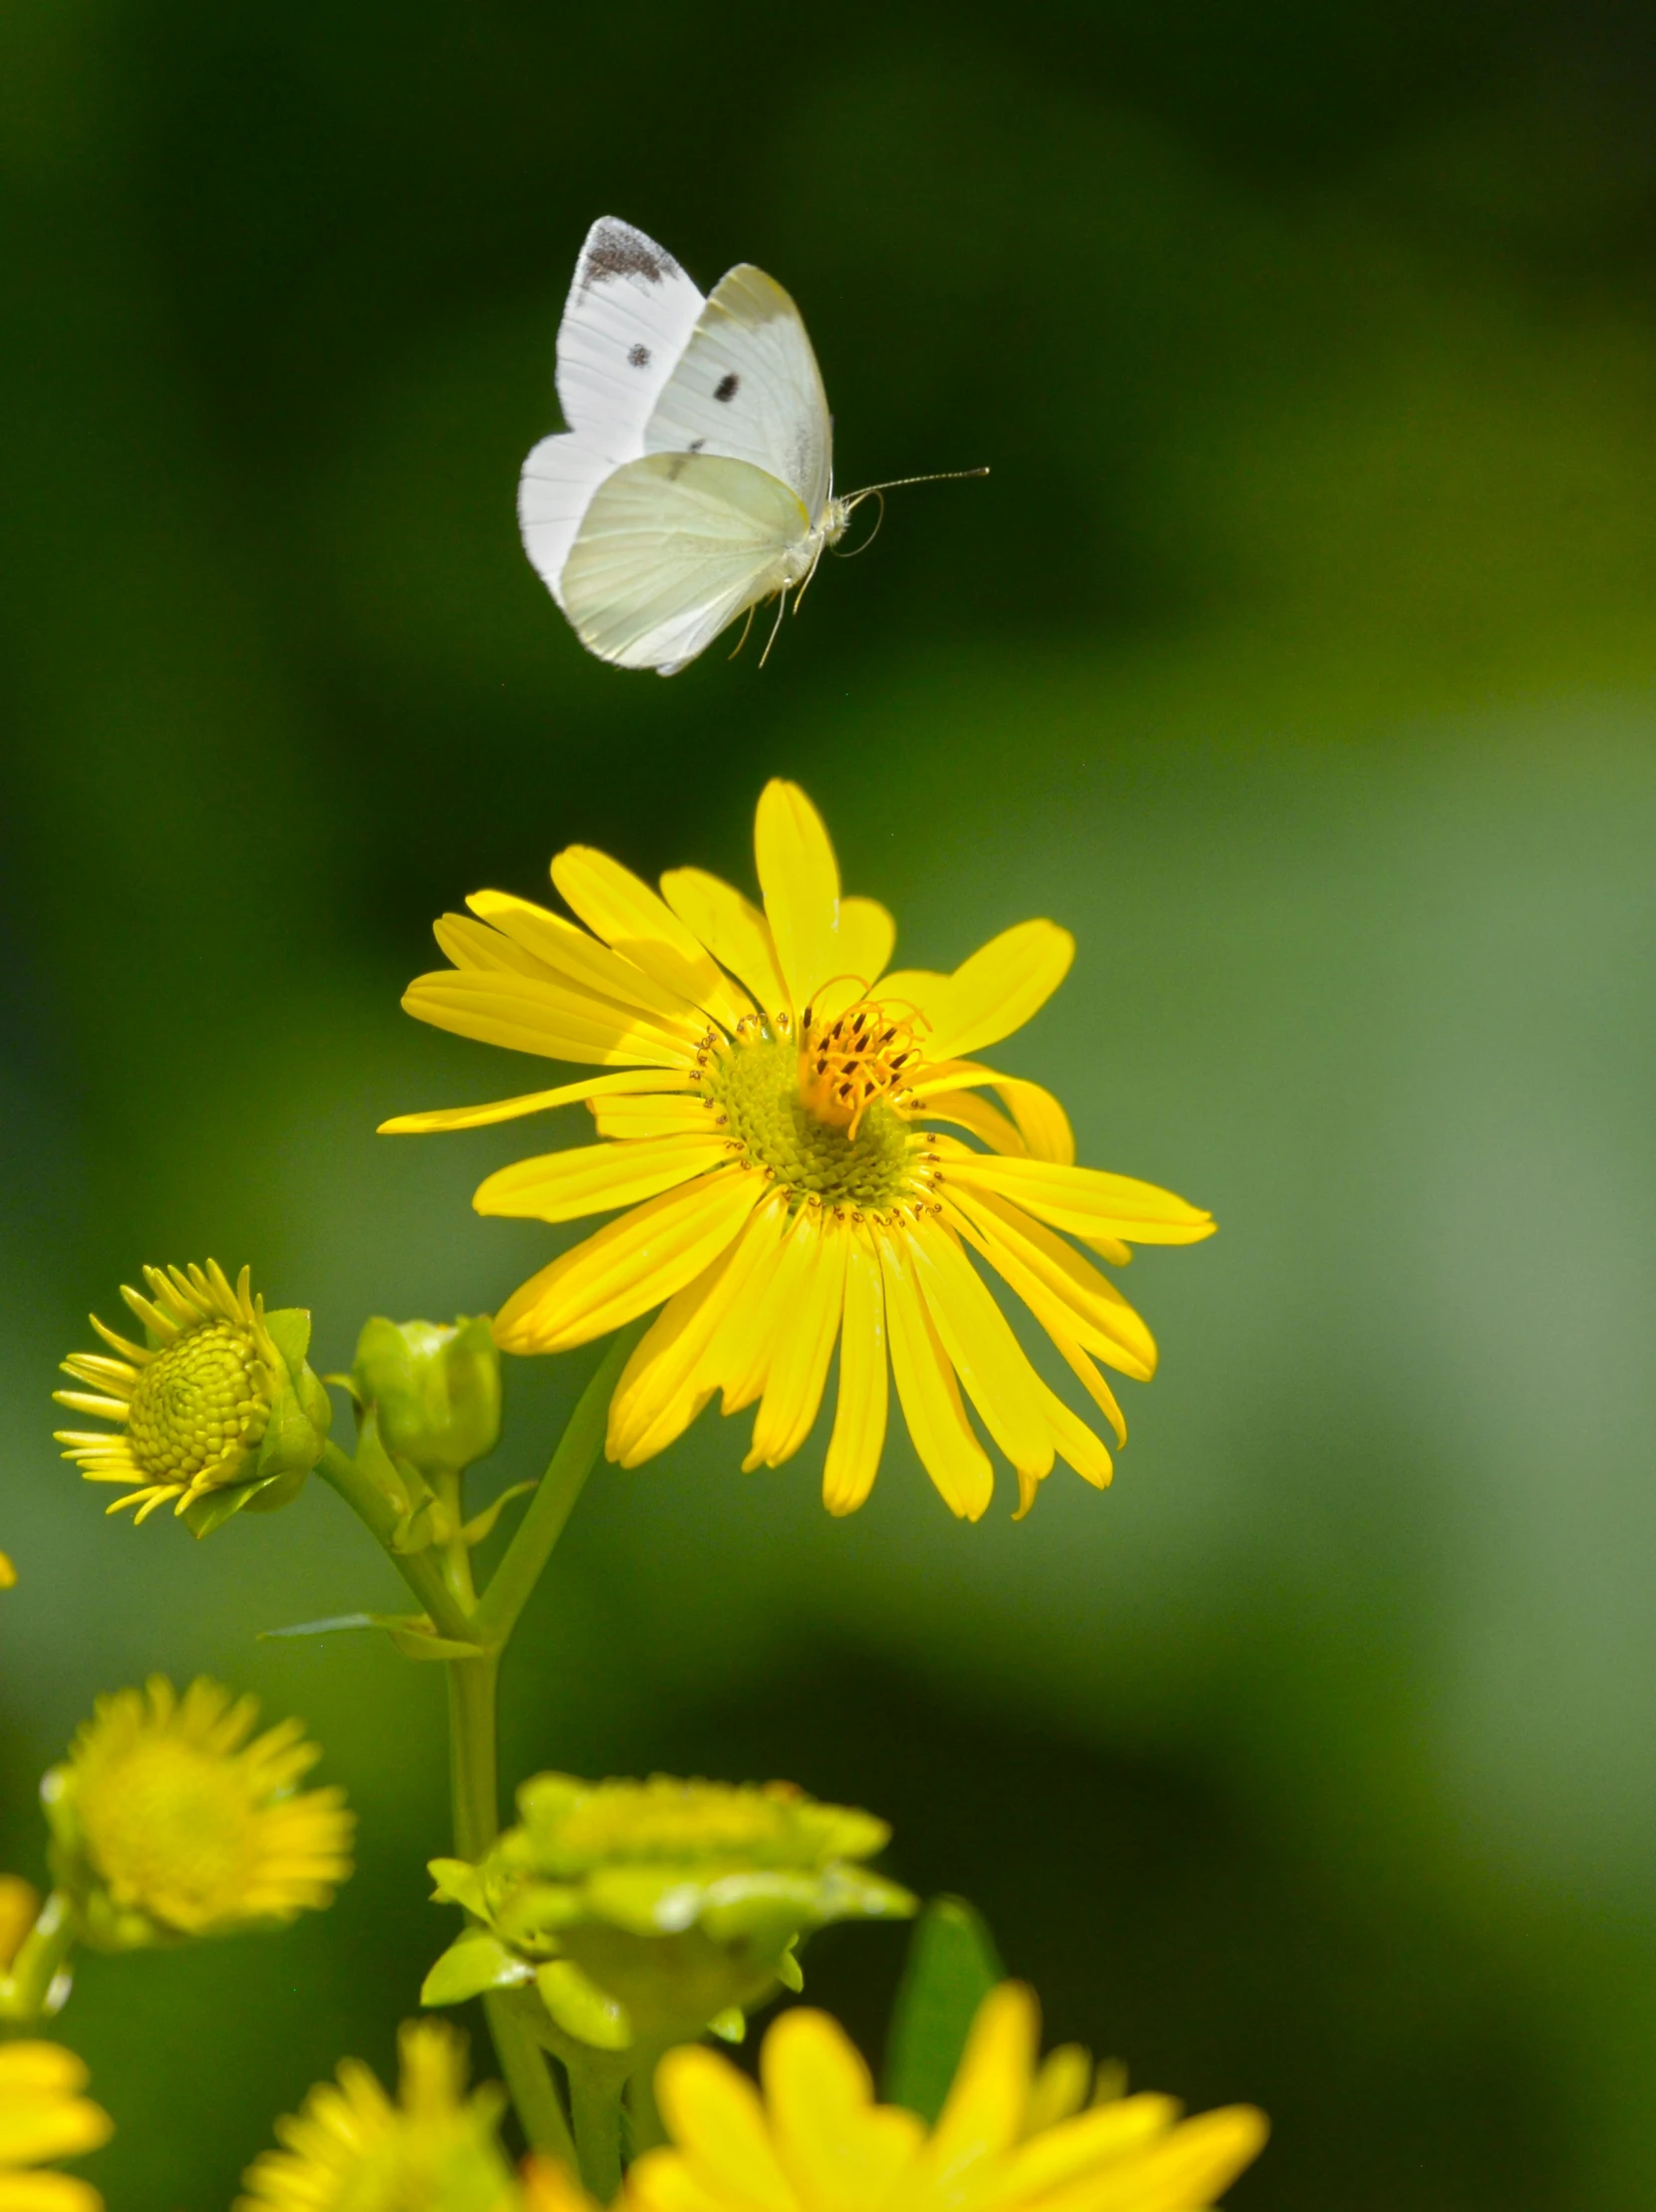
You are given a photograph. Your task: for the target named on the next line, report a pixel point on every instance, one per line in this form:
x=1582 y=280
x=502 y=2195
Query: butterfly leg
x=782 y=609
x=745 y=627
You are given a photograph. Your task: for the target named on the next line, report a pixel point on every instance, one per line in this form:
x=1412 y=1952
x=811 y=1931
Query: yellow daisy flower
x=43 y=2115
x=767 y=1115
x=352 y=2149
x=168 y=1823
x=1011 y=2138
x=208 y=1405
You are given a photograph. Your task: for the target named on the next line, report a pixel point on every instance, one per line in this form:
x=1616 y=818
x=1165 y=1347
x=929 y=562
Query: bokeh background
x=1298 y=654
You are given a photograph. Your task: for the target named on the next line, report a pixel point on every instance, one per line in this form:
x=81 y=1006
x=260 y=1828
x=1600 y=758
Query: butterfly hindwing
x=747 y=386
x=629 y=316
x=671 y=549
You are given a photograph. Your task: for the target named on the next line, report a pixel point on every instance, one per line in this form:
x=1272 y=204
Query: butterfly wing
x=553 y=494
x=747 y=386
x=629 y=316
x=671 y=549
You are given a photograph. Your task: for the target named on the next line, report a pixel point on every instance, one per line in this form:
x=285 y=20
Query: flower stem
x=595 y=2086
x=418 y=1568
x=553 y=1501
x=33 y=1988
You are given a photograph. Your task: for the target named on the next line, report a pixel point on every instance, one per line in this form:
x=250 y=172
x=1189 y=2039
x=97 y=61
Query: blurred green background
x=1298 y=654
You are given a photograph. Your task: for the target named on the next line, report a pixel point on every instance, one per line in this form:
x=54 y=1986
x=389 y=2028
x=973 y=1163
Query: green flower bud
x=649 y=1909
x=436 y=1390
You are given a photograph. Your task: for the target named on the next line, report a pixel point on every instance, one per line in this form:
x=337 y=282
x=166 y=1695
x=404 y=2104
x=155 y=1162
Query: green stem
x=553 y=1501
x=476 y=1804
x=647 y=2130
x=26 y=1991
x=595 y=2096
x=418 y=1568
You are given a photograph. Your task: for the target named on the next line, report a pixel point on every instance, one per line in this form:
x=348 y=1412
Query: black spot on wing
x=639 y=357
x=616 y=249
x=728 y=386
x=696 y=444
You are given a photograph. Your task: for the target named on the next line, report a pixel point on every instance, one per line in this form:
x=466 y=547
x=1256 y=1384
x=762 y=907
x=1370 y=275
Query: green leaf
x=319 y=1628
x=415 y=1638
x=482 y=1524
x=472 y=1963
x=215 y=1508
x=953 y=1966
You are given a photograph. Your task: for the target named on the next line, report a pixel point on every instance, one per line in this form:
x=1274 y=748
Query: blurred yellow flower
x=193 y=1407
x=766 y=1107
x=43 y=2115
x=168 y=1823
x=1012 y=2136
x=8 y=1573
x=352 y=2149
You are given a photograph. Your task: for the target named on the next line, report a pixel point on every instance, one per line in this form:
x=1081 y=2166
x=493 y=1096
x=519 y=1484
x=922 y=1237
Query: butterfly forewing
x=553 y=493
x=747 y=386
x=630 y=312
x=672 y=548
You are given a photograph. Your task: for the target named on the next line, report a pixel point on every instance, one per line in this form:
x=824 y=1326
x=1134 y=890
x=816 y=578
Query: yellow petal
x=593 y=1178
x=473 y=945
x=1060 y=2089
x=739 y=1358
x=1087 y=2143
x=983 y=2112
x=987 y=1357
x=662 y=1387
x=732 y=928
x=1019 y=1247
x=624 y=1081
x=984 y=1120
x=48 y=2192
x=720 y=2127
x=866 y=935
x=630 y=1265
x=811 y=1298
x=801 y=880
x=8 y=1573
x=1087 y=1201
x=926 y=1387
x=654 y=1114
x=620 y=907
x=1186 y=2170
x=573 y=956
x=998 y=989
x=1042 y=1122
x=529 y=1016
x=1076 y=1443
x=840 y=2150
x=860 y=1418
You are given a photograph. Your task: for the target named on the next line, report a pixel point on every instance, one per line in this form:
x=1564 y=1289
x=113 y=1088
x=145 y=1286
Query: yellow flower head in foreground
x=168 y=1823
x=215 y=1402
x=353 y=2150
x=1012 y=2137
x=43 y=2115
x=767 y=1121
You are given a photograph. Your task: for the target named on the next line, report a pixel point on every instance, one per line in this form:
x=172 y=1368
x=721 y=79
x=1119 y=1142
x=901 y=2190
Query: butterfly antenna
x=899 y=484
x=745 y=627
x=874 y=491
x=782 y=609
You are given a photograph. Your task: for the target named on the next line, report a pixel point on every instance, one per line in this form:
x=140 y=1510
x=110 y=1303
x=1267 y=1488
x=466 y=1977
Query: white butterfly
x=696 y=477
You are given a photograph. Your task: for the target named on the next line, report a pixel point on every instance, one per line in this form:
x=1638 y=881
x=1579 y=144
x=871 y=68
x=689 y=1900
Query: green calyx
x=291 y=1428
x=756 y=1084
x=652 y=1910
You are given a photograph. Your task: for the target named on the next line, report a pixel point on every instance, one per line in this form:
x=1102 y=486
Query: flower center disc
x=798 y=1122
x=173 y=1832
x=196 y=1404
